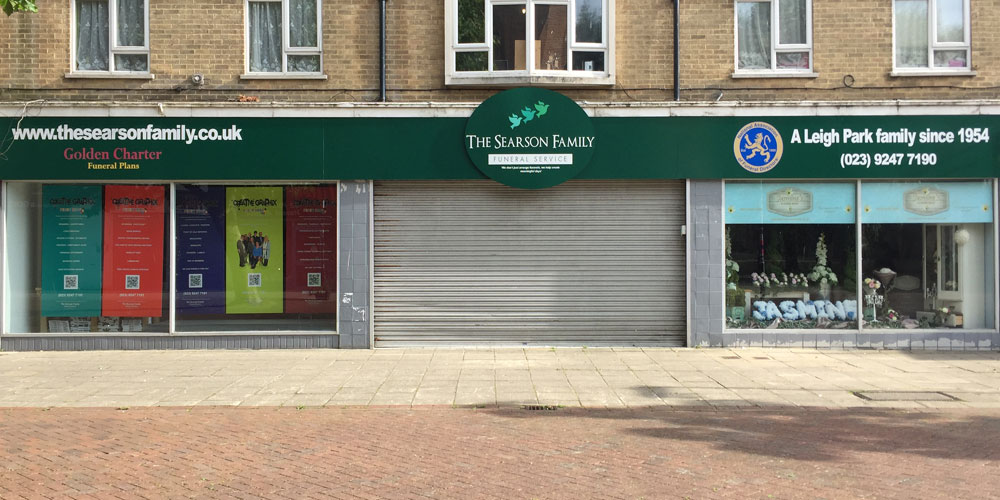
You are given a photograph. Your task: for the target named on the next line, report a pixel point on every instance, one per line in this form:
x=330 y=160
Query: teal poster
x=71 y=250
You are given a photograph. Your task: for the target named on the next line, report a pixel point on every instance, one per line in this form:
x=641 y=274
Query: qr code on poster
x=131 y=281
x=194 y=280
x=313 y=279
x=71 y=282
x=253 y=279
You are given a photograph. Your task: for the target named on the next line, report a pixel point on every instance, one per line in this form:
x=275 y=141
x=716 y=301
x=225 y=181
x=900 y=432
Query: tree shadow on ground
x=813 y=434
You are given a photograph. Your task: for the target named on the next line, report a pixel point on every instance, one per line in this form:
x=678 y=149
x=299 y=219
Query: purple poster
x=201 y=263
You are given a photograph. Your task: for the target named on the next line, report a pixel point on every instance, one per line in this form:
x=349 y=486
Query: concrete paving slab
x=651 y=376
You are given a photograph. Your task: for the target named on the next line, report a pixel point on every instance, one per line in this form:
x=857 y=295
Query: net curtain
x=265 y=36
x=92 y=34
x=754 y=20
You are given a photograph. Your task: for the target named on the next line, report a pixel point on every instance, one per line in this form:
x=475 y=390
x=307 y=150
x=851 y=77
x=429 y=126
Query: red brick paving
x=285 y=453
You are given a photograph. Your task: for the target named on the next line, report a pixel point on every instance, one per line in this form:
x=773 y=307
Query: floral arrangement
x=872 y=284
x=892 y=315
x=821 y=272
x=786 y=280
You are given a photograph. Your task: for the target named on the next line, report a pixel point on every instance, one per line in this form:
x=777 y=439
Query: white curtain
x=792 y=22
x=911 y=33
x=131 y=23
x=302 y=23
x=303 y=32
x=92 y=35
x=265 y=37
x=754 y=42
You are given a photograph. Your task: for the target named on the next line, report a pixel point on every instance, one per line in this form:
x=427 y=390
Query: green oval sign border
x=530 y=138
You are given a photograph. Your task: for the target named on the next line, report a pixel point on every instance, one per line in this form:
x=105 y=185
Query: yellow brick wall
x=851 y=37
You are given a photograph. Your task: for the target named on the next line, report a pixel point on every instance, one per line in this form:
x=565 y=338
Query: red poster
x=310 y=242
x=133 y=251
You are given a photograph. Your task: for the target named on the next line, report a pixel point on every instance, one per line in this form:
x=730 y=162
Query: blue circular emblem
x=758 y=147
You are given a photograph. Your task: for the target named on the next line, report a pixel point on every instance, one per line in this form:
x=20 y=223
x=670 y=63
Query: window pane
x=951 y=59
x=302 y=30
x=303 y=64
x=89 y=258
x=791 y=276
x=131 y=23
x=131 y=62
x=471 y=21
x=265 y=36
x=589 y=21
x=509 y=38
x=950 y=21
x=927 y=252
x=754 y=41
x=247 y=268
x=911 y=33
x=92 y=35
x=550 y=37
x=588 y=61
x=792 y=21
x=793 y=60
x=470 y=61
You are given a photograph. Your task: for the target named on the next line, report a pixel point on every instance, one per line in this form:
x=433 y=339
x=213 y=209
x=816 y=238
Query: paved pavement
x=590 y=378
x=500 y=423
x=283 y=453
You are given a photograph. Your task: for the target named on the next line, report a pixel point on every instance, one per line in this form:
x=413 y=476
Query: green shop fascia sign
x=530 y=138
x=559 y=142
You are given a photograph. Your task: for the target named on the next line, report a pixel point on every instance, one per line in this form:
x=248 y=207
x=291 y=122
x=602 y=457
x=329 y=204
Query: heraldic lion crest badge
x=758 y=147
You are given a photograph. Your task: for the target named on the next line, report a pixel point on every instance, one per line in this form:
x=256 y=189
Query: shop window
x=111 y=36
x=928 y=255
x=931 y=35
x=92 y=258
x=283 y=37
x=87 y=258
x=491 y=40
x=773 y=36
x=256 y=258
x=790 y=256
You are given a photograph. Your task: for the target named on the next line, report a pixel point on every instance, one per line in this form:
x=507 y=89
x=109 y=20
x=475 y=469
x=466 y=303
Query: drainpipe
x=677 y=50
x=381 y=53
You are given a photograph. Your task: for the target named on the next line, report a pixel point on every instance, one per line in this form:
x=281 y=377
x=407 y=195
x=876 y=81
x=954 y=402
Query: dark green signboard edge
x=433 y=148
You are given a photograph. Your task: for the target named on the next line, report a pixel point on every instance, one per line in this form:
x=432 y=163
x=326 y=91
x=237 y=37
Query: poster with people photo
x=254 y=250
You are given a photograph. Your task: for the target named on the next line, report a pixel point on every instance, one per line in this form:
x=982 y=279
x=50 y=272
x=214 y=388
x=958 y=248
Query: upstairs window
x=774 y=36
x=283 y=36
x=931 y=35
x=520 y=40
x=111 y=36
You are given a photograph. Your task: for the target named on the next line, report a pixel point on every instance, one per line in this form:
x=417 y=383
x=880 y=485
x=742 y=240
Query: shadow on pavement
x=811 y=435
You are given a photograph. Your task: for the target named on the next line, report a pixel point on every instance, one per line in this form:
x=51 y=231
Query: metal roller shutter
x=585 y=263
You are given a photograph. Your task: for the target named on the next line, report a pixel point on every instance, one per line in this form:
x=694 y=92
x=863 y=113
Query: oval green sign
x=529 y=138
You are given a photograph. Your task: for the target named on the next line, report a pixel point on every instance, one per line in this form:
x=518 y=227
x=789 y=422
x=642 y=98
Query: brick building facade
x=797 y=64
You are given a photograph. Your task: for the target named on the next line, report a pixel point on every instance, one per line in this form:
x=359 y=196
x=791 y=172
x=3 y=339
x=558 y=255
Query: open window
x=528 y=41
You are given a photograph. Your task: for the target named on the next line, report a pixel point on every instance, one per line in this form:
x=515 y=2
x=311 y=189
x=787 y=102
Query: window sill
x=110 y=75
x=283 y=76
x=899 y=73
x=775 y=74
x=525 y=80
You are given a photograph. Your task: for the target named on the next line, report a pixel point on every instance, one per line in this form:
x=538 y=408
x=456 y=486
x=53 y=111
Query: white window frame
x=286 y=49
x=529 y=75
x=933 y=44
x=113 y=47
x=776 y=47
